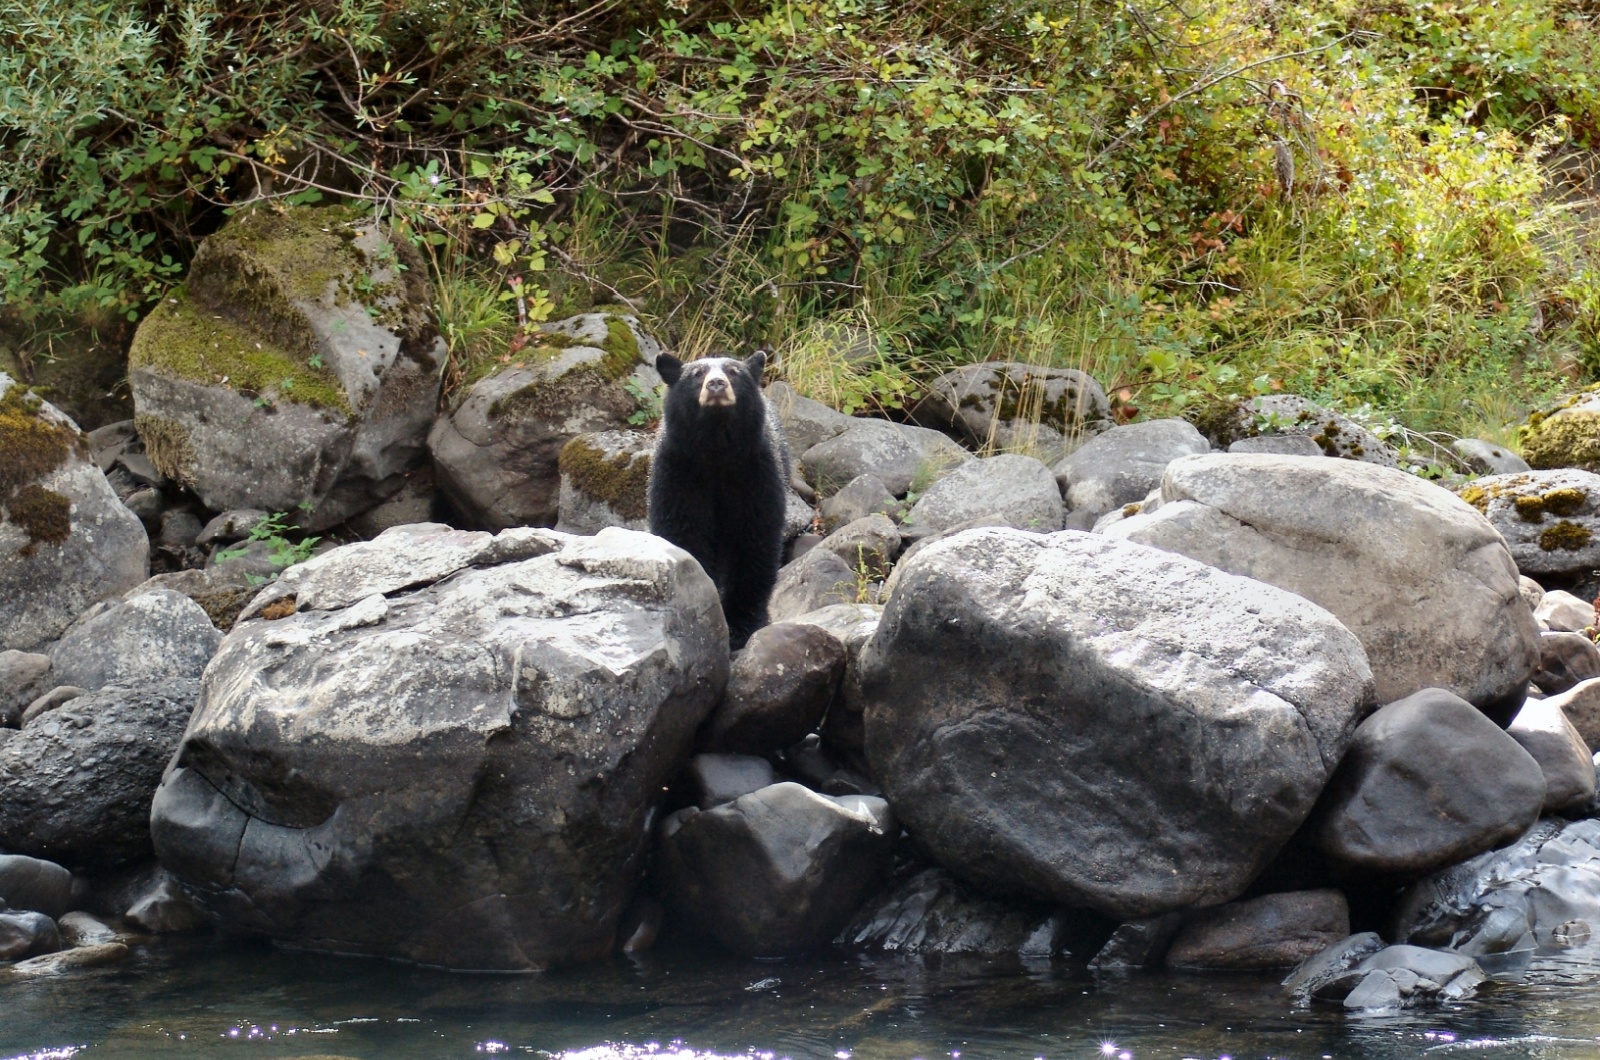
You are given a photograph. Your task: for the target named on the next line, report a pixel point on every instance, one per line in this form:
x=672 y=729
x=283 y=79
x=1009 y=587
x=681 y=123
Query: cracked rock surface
x=445 y=746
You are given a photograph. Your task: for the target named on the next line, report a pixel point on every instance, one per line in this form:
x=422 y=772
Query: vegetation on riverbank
x=1379 y=206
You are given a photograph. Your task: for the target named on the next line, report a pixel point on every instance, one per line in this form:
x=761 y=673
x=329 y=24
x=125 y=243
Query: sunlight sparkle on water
x=59 y=1052
x=674 y=1050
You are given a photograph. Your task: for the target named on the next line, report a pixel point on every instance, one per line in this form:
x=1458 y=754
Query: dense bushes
x=1229 y=198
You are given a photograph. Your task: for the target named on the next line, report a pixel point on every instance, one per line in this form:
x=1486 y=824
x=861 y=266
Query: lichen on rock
x=619 y=479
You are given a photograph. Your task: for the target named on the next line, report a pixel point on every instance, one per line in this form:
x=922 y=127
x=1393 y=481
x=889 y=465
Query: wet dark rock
x=1272 y=931
x=50 y=701
x=776 y=872
x=1008 y=670
x=27 y=935
x=76 y=782
x=35 y=885
x=1138 y=943
x=1428 y=781
x=444 y=746
x=24 y=676
x=853 y=625
x=779 y=688
x=1565 y=660
x=1400 y=977
x=79 y=928
x=720 y=778
x=162 y=907
x=1544 y=732
x=1318 y=971
x=931 y=912
x=152 y=639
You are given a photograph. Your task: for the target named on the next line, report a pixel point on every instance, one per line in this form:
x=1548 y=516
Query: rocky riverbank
x=1136 y=695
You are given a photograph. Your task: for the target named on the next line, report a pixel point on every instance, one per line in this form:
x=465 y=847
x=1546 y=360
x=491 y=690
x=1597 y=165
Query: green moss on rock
x=44 y=515
x=1564 y=502
x=544 y=396
x=1476 y=496
x=1564 y=536
x=621 y=480
x=166 y=443
x=1530 y=507
x=180 y=338
x=1569 y=439
x=31 y=446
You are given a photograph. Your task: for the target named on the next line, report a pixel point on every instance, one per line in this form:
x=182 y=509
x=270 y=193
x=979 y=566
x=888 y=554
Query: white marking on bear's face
x=716 y=385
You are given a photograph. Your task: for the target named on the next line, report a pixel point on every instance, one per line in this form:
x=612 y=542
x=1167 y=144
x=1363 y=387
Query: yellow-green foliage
x=179 y=338
x=620 y=480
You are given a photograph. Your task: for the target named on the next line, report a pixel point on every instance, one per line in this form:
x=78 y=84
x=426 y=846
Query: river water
x=214 y=998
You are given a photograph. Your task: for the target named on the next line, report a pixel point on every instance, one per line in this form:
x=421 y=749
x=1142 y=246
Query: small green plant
x=648 y=414
x=282 y=552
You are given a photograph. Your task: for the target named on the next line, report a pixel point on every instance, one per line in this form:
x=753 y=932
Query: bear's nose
x=716 y=385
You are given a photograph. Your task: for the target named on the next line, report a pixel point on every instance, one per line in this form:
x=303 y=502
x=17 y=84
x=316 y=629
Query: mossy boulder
x=1566 y=437
x=1027 y=408
x=1550 y=519
x=297 y=369
x=605 y=478
x=66 y=542
x=497 y=452
x=1292 y=416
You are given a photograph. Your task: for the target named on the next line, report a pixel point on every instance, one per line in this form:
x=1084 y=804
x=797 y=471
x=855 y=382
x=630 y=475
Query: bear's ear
x=669 y=367
x=756 y=363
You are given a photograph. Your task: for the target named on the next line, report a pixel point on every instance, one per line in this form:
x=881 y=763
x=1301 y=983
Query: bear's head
x=712 y=386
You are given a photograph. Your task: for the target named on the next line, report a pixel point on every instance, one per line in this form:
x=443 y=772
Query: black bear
x=718 y=481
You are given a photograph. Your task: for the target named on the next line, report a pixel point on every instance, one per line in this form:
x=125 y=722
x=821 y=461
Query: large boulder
x=1428 y=781
x=1542 y=728
x=76 y=782
x=1567 y=437
x=805 y=422
x=66 y=541
x=1550 y=519
x=444 y=746
x=778 y=871
x=1012 y=405
x=1119 y=467
x=298 y=369
x=1416 y=573
x=902 y=457
x=1100 y=724
x=149 y=639
x=497 y=451
x=1290 y=416
x=1272 y=931
x=1006 y=490
x=779 y=687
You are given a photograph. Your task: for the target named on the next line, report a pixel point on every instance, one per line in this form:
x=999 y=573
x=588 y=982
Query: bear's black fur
x=718 y=481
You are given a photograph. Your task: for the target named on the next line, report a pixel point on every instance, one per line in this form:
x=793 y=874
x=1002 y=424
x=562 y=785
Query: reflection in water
x=217 y=999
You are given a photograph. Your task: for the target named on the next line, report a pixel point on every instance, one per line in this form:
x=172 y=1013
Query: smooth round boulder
x=776 y=872
x=1416 y=573
x=1121 y=465
x=1542 y=728
x=1273 y=931
x=1565 y=661
x=900 y=456
x=779 y=688
x=24 y=676
x=27 y=935
x=931 y=912
x=35 y=884
x=1005 y=490
x=76 y=782
x=1428 y=781
x=148 y=640
x=444 y=746
x=1550 y=519
x=1581 y=705
x=818 y=579
x=1009 y=670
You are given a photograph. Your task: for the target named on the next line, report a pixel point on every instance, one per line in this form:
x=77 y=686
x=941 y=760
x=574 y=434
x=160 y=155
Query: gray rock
x=34 y=884
x=1532 y=591
x=1137 y=944
x=416 y=501
x=1427 y=781
x=150 y=639
x=1011 y=489
x=1319 y=971
x=1122 y=465
x=815 y=580
x=720 y=778
x=70 y=960
x=85 y=929
x=497 y=451
x=23 y=676
x=805 y=422
x=66 y=541
x=1277 y=445
x=1581 y=705
x=444 y=746
x=1016 y=774
x=865 y=495
x=1273 y=931
x=1487 y=458
x=932 y=913
x=340 y=315
x=111 y=441
x=868 y=544
x=853 y=625
x=76 y=782
x=901 y=457
x=179 y=529
x=605 y=478
x=50 y=701
x=1289 y=414
x=1419 y=576
x=1542 y=728
x=1561 y=612
x=27 y=935
x=1398 y=977
x=230 y=526
x=1016 y=406
x=1565 y=661
x=776 y=872
x=798 y=514
x=1550 y=519
x=221 y=590
x=163 y=908
x=779 y=688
